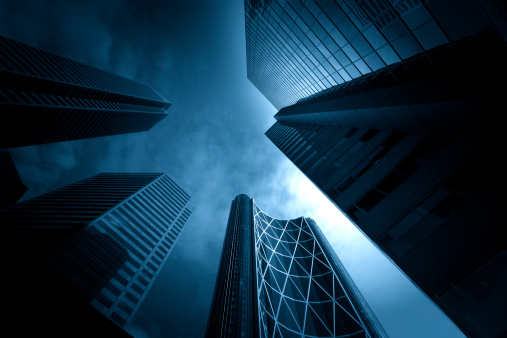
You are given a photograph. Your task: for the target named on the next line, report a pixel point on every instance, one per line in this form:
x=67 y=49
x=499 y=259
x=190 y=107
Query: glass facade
x=406 y=139
x=300 y=288
x=48 y=98
x=419 y=197
x=233 y=309
x=125 y=226
x=298 y=48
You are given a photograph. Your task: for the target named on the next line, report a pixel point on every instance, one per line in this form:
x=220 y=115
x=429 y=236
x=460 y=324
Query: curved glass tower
x=300 y=288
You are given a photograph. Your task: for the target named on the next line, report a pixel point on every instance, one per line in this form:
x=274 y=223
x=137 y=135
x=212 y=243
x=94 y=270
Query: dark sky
x=193 y=53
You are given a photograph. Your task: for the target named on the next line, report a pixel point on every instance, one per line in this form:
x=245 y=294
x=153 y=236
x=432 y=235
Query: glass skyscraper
x=406 y=143
x=47 y=98
x=281 y=278
x=297 y=48
x=105 y=238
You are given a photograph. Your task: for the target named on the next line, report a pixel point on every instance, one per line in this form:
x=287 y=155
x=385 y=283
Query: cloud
x=42 y=166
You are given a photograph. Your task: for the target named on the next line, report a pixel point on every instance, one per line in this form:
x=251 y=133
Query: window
x=370 y=200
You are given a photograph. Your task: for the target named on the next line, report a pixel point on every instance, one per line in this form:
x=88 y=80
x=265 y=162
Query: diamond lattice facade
x=47 y=98
x=290 y=276
x=104 y=238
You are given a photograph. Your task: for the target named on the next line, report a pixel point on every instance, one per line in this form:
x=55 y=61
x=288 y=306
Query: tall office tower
x=297 y=48
x=103 y=240
x=391 y=109
x=281 y=278
x=47 y=98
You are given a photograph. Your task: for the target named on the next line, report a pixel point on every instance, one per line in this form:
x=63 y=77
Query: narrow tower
x=292 y=280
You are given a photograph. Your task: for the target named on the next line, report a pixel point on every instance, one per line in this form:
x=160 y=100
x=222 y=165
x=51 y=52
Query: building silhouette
x=11 y=185
x=97 y=244
x=281 y=278
x=408 y=149
x=298 y=48
x=47 y=98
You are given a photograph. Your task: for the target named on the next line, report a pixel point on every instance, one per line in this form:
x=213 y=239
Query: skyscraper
x=281 y=278
x=297 y=48
x=104 y=239
x=48 y=98
x=407 y=148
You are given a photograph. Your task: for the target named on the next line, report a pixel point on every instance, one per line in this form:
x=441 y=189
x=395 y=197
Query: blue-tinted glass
x=342 y=58
x=374 y=61
x=326 y=23
x=362 y=67
x=406 y=46
x=374 y=37
x=335 y=63
x=338 y=37
x=351 y=53
x=464 y=20
x=394 y=30
x=319 y=31
x=388 y=55
x=348 y=29
x=416 y=17
x=344 y=75
x=430 y=35
x=361 y=45
x=334 y=13
x=330 y=44
x=352 y=70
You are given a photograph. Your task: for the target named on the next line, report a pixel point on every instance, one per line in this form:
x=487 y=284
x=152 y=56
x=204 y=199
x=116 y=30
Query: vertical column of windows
x=126 y=235
x=142 y=225
x=181 y=192
x=175 y=197
x=170 y=195
x=153 y=225
x=162 y=215
x=138 y=239
x=165 y=210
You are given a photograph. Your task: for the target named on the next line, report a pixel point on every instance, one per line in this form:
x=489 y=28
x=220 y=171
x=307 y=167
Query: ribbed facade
x=298 y=48
x=122 y=229
x=47 y=98
x=300 y=287
x=233 y=309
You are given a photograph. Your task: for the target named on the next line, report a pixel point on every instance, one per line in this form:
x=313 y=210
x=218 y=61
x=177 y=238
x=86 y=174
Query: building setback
x=408 y=149
x=100 y=242
x=281 y=278
x=47 y=98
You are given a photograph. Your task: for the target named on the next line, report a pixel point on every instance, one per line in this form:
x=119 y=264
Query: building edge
x=370 y=320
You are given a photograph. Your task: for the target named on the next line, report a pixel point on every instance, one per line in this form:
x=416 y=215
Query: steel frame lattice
x=299 y=292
